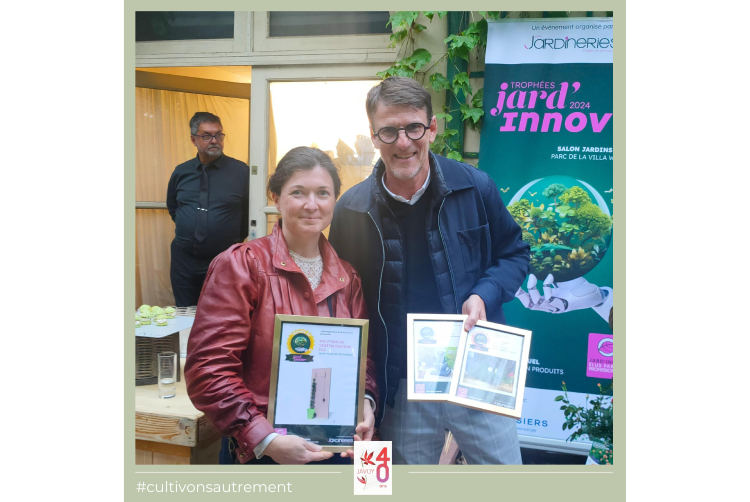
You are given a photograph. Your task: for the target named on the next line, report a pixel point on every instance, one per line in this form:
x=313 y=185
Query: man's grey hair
x=201 y=117
x=399 y=91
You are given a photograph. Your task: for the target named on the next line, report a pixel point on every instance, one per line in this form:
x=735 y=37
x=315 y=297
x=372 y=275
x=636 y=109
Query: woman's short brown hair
x=302 y=158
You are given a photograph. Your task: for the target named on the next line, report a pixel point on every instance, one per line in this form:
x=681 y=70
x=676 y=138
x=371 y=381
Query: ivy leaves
x=478 y=29
x=439 y=82
x=469 y=113
x=407 y=67
x=458 y=46
x=474 y=36
x=401 y=23
x=430 y=13
x=461 y=83
x=477 y=98
x=443 y=116
x=473 y=113
x=443 y=141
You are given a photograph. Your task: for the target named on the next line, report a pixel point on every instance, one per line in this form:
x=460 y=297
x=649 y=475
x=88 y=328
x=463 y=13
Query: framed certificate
x=491 y=369
x=317 y=386
x=432 y=346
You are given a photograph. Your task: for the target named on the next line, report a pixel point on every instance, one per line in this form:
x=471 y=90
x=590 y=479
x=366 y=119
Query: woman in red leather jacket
x=292 y=271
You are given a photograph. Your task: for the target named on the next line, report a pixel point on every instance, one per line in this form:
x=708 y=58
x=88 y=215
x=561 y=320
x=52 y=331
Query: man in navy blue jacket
x=427 y=234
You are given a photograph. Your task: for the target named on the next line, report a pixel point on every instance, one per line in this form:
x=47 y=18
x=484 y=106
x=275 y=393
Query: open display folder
x=484 y=368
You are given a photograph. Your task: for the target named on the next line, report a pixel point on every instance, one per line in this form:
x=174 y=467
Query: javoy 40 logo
x=372 y=468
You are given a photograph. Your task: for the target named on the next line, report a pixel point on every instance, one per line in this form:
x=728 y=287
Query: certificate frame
x=335 y=380
x=472 y=390
x=430 y=384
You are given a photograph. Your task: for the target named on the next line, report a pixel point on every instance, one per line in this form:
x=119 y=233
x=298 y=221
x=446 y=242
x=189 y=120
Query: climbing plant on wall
x=466 y=107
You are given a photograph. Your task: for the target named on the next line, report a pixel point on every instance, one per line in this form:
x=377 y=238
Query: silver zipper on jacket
x=447 y=258
x=380 y=287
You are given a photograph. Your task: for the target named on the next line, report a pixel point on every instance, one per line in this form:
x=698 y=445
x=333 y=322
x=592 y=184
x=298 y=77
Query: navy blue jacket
x=475 y=247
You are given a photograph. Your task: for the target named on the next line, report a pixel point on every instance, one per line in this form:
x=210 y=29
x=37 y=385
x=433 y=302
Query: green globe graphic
x=567 y=223
x=300 y=343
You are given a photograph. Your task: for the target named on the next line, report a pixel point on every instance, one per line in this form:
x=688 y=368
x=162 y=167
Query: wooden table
x=172 y=431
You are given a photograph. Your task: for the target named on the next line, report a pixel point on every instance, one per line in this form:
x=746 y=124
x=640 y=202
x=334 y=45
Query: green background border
x=559 y=483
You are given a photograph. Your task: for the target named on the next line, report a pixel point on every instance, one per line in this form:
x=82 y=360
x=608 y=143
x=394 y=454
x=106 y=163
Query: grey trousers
x=417 y=430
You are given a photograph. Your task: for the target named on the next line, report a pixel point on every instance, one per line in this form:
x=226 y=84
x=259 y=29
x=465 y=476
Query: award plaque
x=432 y=346
x=317 y=386
x=491 y=369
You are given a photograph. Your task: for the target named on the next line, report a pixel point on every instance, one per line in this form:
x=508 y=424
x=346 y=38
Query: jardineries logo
x=300 y=343
x=570 y=43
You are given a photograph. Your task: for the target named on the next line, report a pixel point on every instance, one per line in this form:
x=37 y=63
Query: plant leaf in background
x=418 y=59
x=477 y=98
x=397 y=37
x=430 y=13
x=402 y=20
x=438 y=82
x=443 y=116
x=447 y=133
x=458 y=46
x=469 y=113
x=461 y=82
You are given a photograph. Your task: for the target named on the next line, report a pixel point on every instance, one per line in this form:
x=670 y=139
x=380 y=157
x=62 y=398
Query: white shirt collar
x=414 y=197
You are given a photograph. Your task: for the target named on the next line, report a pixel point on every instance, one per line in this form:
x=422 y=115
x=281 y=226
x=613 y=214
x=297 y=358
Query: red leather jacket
x=228 y=367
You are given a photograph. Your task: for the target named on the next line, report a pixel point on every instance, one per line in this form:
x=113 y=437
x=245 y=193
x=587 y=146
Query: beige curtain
x=154 y=231
x=162 y=134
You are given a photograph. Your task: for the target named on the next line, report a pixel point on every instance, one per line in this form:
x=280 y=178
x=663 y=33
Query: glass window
x=316 y=24
x=159 y=26
x=329 y=115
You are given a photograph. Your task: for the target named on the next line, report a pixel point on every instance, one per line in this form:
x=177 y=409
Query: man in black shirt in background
x=208 y=199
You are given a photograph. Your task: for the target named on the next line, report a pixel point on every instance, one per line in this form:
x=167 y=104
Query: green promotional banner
x=547 y=143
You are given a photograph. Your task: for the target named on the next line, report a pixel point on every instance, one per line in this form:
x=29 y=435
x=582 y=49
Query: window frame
x=263 y=42
x=241 y=43
x=259 y=122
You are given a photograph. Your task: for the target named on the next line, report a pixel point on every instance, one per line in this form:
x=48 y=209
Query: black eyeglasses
x=207 y=137
x=413 y=131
